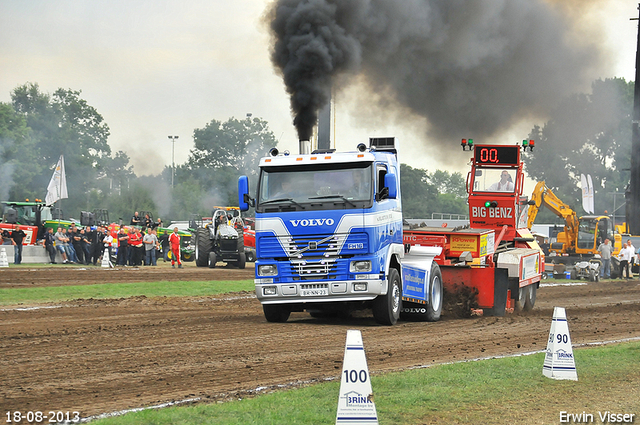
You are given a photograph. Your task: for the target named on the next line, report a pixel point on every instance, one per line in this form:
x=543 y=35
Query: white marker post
x=559 y=362
x=4 y=261
x=355 y=405
x=106 y=261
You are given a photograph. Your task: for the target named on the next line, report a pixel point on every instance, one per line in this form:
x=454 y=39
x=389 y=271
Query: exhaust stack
x=304 y=147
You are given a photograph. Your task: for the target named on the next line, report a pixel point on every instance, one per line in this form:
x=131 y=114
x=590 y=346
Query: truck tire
x=386 y=308
x=436 y=294
x=242 y=260
x=431 y=311
x=531 y=297
x=212 y=260
x=203 y=246
x=276 y=313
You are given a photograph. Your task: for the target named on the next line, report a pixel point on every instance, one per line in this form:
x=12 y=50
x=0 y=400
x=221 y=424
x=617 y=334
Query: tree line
x=589 y=133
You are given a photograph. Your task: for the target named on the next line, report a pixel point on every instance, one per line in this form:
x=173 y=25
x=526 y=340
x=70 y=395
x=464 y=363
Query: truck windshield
x=494 y=180
x=316 y=187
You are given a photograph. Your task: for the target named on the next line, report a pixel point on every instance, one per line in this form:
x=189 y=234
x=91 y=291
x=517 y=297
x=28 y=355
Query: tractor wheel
x=187 y=256
x=212 y=260
x=250 y=255
x=531 y=297
x=276 y=313
x=242 y=260
x=203 y=247
x=386 y=308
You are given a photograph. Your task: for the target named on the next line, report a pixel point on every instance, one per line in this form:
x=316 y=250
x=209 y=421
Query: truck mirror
x=391 y=183
x=244 y=200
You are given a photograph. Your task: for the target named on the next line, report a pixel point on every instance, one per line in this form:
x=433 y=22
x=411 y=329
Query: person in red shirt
x=135 y=243
x=174 y=242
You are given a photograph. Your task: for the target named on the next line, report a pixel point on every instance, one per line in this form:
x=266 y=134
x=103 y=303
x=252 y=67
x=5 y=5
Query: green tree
x=14 y=136
x=233 y=148
x=588 y=134
x=65 y=124
x=418 y=194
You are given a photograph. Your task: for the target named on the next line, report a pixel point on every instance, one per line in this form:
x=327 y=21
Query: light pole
x=173 y=164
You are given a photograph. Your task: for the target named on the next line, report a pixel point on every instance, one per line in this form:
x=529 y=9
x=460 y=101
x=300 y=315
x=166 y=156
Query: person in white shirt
x=625 y=256
x=504 y=185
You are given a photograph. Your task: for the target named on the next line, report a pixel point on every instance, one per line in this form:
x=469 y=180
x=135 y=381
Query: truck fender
x=394 y=253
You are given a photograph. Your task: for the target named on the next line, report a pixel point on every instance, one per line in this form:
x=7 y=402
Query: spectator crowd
x=134 y=245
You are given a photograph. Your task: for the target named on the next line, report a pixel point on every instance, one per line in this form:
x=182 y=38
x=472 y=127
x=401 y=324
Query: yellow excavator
x=581 y=236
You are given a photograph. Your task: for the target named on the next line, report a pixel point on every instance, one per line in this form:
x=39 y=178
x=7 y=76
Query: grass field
x=496 y=391
x=121 y=290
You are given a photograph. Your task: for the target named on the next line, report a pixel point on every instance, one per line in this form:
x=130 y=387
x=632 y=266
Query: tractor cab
x=495 y=185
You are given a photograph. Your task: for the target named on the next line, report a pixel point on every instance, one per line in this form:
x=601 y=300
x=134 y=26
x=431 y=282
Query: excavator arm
x=542 y=195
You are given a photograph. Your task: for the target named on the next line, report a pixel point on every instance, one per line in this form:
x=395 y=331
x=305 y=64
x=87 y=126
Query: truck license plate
x=314 y=292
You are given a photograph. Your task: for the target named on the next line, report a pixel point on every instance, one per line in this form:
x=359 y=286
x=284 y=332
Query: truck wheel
x=212 y=260
x=434 y=308
x=276 y=313
x=386 y=308
x=203 y=246
x=531 y=297
x=242 y=260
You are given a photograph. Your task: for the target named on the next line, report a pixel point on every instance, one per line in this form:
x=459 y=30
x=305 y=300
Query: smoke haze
x=470 y=68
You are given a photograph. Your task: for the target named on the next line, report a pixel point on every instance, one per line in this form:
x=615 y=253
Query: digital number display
x=496 y=155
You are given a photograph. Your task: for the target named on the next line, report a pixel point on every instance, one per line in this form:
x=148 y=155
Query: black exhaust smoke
x=468 y=67
x=310 y=49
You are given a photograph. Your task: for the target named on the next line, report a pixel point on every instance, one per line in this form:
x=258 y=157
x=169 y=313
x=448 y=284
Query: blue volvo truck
x=329 y=234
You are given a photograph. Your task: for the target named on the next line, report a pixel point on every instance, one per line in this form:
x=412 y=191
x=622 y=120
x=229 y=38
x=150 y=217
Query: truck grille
x=313 y=269
x=313 y=257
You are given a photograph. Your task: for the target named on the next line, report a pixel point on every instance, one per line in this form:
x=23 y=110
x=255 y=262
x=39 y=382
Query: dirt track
x=101 y=356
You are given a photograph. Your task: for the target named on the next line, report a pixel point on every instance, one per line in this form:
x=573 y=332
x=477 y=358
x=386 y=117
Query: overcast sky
x=166 y=67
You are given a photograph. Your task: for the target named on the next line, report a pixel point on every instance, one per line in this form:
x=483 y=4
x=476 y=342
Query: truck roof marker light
x=327 y=157
x=361 y=147
x=273 y=152
x=300 y=159
x=313 y=158
x=360 y=155
x=267 y=160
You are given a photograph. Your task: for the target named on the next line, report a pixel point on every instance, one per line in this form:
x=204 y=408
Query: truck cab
x=328 y=229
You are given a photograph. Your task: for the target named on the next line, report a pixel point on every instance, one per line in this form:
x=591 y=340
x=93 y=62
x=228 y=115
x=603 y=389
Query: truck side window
x=382 y=192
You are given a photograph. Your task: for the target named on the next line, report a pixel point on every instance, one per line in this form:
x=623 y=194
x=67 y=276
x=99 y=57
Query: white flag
x=57 y=188
x=592 y=209
x=585 y=193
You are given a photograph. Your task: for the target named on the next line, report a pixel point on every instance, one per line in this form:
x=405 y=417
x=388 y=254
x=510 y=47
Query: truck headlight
x=360 y=266
x=267 y=270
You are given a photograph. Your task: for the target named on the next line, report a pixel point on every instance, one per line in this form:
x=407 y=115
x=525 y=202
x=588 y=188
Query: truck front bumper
x=309 y=291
